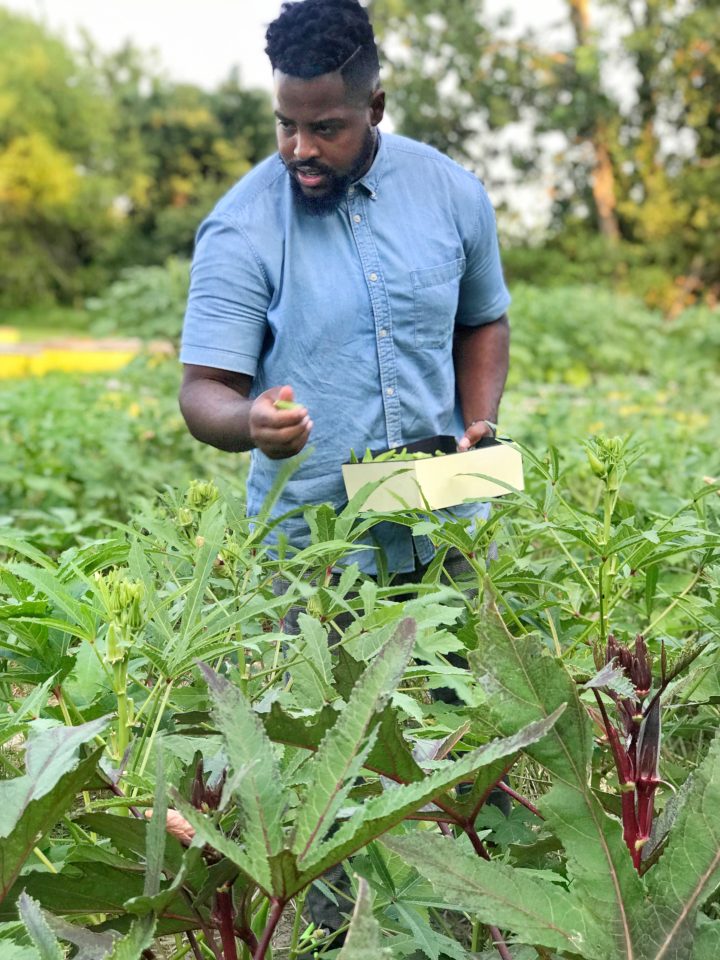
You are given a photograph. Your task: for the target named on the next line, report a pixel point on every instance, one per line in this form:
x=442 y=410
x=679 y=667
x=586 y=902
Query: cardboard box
x=491 y=469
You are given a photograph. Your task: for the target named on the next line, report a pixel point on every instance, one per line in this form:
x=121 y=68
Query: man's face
x=325 y=137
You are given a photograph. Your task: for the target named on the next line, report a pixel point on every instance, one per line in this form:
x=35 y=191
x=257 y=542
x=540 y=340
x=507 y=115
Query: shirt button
x=383 y=332
x=390 y=391
x=357 y=218
x=351 y=190
x=373 y=277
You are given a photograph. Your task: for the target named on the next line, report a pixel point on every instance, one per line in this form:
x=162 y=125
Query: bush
x=147 y=302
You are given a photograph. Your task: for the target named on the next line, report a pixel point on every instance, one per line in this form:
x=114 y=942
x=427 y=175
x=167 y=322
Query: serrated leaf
x=255 y=775
x=139 y=938
x=312 y=673
x=38 y=929
x=157 y=832
x=364 y=939
x=706 y=945
x=537 y=912
x=379 y=814
x=212 y=530
x=332 y=770
x=523 y=683
x=48 y=583
x=91 y=945
x=688 y=871
x=612 y=677
x=30 y=805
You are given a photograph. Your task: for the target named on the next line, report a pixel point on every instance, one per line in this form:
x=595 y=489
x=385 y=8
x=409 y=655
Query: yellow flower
x=134 y=410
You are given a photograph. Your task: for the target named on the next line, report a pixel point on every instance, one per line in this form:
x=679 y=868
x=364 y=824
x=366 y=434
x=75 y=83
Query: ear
x=377 y=106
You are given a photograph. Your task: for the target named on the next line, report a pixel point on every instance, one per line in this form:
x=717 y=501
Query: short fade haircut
x=315 y=37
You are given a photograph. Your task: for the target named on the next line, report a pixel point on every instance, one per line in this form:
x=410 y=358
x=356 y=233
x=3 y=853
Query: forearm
x=217 y=414
x=481 y=356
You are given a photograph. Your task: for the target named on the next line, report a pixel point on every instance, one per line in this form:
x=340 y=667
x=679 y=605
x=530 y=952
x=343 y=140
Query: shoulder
x=411 y=156
x=447 y=188
x=256 y=198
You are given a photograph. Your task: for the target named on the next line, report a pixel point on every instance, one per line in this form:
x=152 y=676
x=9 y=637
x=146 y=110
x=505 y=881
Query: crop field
x=178 y=773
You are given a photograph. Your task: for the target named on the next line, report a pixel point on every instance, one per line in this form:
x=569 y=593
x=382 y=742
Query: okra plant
x=150 y=671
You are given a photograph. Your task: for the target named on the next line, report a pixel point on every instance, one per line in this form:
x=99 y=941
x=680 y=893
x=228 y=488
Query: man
x=354 y=273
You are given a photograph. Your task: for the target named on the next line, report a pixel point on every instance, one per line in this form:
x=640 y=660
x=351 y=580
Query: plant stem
x=506 y=788
x=275 y=913
x=295 y=936
x=194 y=945
x=158 y=718
x=499 y=943
x=553 y=631
x=224 y=904
x=118 y=793
x=44 y=860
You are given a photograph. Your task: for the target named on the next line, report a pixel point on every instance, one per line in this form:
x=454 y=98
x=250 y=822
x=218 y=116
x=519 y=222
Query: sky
x=199 y=41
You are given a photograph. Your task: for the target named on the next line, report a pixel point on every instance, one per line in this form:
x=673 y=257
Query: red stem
x=275 y=913
x=118 y=793
x=194 y=945
x=478 y=845
x=479 y=848
x=224 y=904
x=520 y=799
x=499 y=943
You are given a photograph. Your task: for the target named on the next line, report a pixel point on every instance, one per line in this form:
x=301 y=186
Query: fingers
x=279 y=431
x=474 y=434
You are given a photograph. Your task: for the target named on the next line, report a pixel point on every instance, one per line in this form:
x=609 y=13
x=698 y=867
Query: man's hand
x=474 y=434
x=278 y=432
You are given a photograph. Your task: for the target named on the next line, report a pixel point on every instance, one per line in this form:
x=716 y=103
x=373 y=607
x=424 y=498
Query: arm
x=218 y=410
x=481 y=357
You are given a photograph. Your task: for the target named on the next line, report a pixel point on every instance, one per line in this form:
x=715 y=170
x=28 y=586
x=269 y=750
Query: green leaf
x=706 y=945
x=538 y=913
x=255 y=774
x=364 y=939
x=312 y=673
x=91 y=945
x=212 y=530
x=157 y=832
x=30 y=805
x=38 y=929
x=688 y=871
x=333 y=769
x=379 y=814
x=524 y=683
x=49 y=584
x=138 y=938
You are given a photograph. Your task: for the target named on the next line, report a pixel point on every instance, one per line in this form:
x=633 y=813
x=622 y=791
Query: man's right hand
x=278 y=433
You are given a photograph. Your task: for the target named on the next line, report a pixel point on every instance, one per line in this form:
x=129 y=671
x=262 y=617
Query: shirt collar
x=372 y=178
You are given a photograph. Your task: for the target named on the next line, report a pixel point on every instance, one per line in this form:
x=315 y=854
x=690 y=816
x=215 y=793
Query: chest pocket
x=435 y=300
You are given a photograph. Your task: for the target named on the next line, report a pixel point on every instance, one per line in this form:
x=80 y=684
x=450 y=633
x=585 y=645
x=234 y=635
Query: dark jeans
x=323 y=911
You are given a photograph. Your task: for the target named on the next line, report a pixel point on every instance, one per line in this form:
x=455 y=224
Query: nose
x=305 y=146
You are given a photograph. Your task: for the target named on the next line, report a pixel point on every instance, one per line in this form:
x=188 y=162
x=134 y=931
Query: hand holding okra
x=279 y=426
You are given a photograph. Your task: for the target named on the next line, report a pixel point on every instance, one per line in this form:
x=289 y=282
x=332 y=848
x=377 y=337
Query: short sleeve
x=483 y=294
x=226 y=316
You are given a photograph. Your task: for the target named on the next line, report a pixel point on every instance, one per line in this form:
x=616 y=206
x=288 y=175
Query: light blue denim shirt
x=355 y=311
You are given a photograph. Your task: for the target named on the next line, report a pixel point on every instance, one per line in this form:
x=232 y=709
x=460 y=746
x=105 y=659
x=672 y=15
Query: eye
x=285 y=125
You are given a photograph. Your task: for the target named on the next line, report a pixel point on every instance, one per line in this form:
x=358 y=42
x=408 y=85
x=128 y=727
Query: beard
x=336 y=184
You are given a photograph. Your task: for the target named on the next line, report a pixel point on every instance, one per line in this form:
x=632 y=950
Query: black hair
x=315 y=37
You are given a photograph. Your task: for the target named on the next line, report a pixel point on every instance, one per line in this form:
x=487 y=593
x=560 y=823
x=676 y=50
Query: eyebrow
x=334 y=121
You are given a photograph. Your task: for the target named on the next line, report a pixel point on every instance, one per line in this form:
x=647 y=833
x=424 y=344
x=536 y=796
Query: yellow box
x=491 y=469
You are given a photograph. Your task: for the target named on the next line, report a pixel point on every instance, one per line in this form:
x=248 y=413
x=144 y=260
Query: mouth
x=310 y=179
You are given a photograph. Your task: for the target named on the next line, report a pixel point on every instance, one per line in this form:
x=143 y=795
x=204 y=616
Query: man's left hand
x=477 y=431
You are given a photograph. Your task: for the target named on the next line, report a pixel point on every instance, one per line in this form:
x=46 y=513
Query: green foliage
x=457 y=78
x=286 y=755
x=100 y=443
x=31 y=804
x=103 y=164
x=147 y=302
